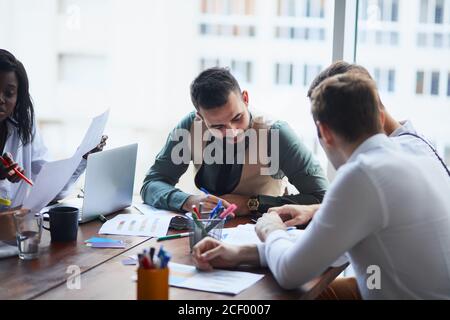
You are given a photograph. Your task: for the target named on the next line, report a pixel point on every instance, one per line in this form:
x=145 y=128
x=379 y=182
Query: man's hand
x=7 y=171
x=210 y=253
x=268 y=223
x=209 y=202
x=240 y=201
x=98 y=148
x=294 y=215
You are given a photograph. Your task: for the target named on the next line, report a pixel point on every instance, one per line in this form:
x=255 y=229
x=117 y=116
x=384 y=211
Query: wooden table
x=104 y=277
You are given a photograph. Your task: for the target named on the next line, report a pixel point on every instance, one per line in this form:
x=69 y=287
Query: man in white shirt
x=402 y=132
x=388 y=211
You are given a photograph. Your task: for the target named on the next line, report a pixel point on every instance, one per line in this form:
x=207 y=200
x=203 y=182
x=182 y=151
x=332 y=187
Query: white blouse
x=31 y=157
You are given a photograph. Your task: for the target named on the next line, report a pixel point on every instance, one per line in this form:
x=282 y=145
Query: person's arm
x=347 y=216
x=211 y=253
x=300 y=167
x=158 y=189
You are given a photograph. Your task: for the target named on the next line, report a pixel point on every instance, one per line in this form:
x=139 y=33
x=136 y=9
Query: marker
x=195 y=210
x=174 y=236
x=229 y=210
x=20 y=174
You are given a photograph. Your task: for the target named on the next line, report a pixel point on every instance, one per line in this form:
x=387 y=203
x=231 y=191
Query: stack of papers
x=96 y=242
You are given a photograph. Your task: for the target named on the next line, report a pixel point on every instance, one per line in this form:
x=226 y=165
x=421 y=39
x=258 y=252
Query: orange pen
x=6 y=163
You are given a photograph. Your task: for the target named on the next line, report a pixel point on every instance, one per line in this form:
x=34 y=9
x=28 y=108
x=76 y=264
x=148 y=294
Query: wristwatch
x=253 y=204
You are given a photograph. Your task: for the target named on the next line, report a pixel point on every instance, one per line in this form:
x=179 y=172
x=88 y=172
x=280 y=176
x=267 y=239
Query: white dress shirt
x=384 y=208
x=413 y=144
x=30 y=157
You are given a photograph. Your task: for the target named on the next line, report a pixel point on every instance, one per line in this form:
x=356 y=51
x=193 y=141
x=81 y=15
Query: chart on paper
x=137 y=225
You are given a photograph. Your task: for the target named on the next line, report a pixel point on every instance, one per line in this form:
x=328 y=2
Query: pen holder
x=205 y=227
x=153 y=284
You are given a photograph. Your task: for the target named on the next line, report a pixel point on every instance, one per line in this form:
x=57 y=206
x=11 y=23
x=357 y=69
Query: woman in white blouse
x=20 y=143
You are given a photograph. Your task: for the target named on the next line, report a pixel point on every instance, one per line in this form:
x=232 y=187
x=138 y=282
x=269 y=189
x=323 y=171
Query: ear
x=245 y=97
x=325 y=133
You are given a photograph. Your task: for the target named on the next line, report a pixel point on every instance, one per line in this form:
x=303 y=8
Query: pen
x=194 y=209
x=200 y=207
x=229 y=210
x=217 y=207
x=204 y=190
x=20 y=174
x=173 y=236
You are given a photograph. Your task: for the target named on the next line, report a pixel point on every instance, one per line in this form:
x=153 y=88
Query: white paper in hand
x=54 y=175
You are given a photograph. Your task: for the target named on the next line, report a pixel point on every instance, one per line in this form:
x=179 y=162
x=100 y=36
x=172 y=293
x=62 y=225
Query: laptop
x=108 y=185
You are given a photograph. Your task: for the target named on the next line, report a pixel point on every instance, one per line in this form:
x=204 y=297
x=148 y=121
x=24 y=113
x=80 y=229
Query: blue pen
x=216 y=208
x=204 y=190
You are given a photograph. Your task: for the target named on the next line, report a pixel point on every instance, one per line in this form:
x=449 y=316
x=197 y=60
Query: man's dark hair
x=338 y=67
x=212 y=87
x=23 y=113
x=348 y=105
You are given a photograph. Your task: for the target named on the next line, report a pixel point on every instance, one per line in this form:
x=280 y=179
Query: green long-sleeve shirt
x=296 y=162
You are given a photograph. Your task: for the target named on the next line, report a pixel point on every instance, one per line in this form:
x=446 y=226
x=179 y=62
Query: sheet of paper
x=219 y=281
x=137 y=225
x=54 y=175
x=245 y=234
x=146 y=209
x=93 y=135
x=51 y=180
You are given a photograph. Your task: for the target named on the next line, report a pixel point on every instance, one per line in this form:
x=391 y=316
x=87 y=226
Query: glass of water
x=28 y=233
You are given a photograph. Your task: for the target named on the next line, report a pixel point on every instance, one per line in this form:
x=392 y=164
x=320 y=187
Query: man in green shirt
x=239 y=156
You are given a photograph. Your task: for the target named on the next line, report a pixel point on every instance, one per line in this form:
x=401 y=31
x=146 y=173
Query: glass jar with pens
x=212 y=226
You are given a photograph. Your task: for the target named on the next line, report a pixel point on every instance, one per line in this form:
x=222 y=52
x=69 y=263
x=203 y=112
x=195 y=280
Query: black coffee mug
x=63 y=224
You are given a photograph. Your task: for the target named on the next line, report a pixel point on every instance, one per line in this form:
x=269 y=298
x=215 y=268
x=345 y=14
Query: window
x=432 y=11
x=421 y=39
x=439 y=11
x=227 y=7
x=379 y=22
x=434 y=83
x=419 y=82
x=438 y=40
x=283 y=73
x=385 y=79
x=448 y=85
x=311 y=71
x=423 y=11
x=241 y=69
